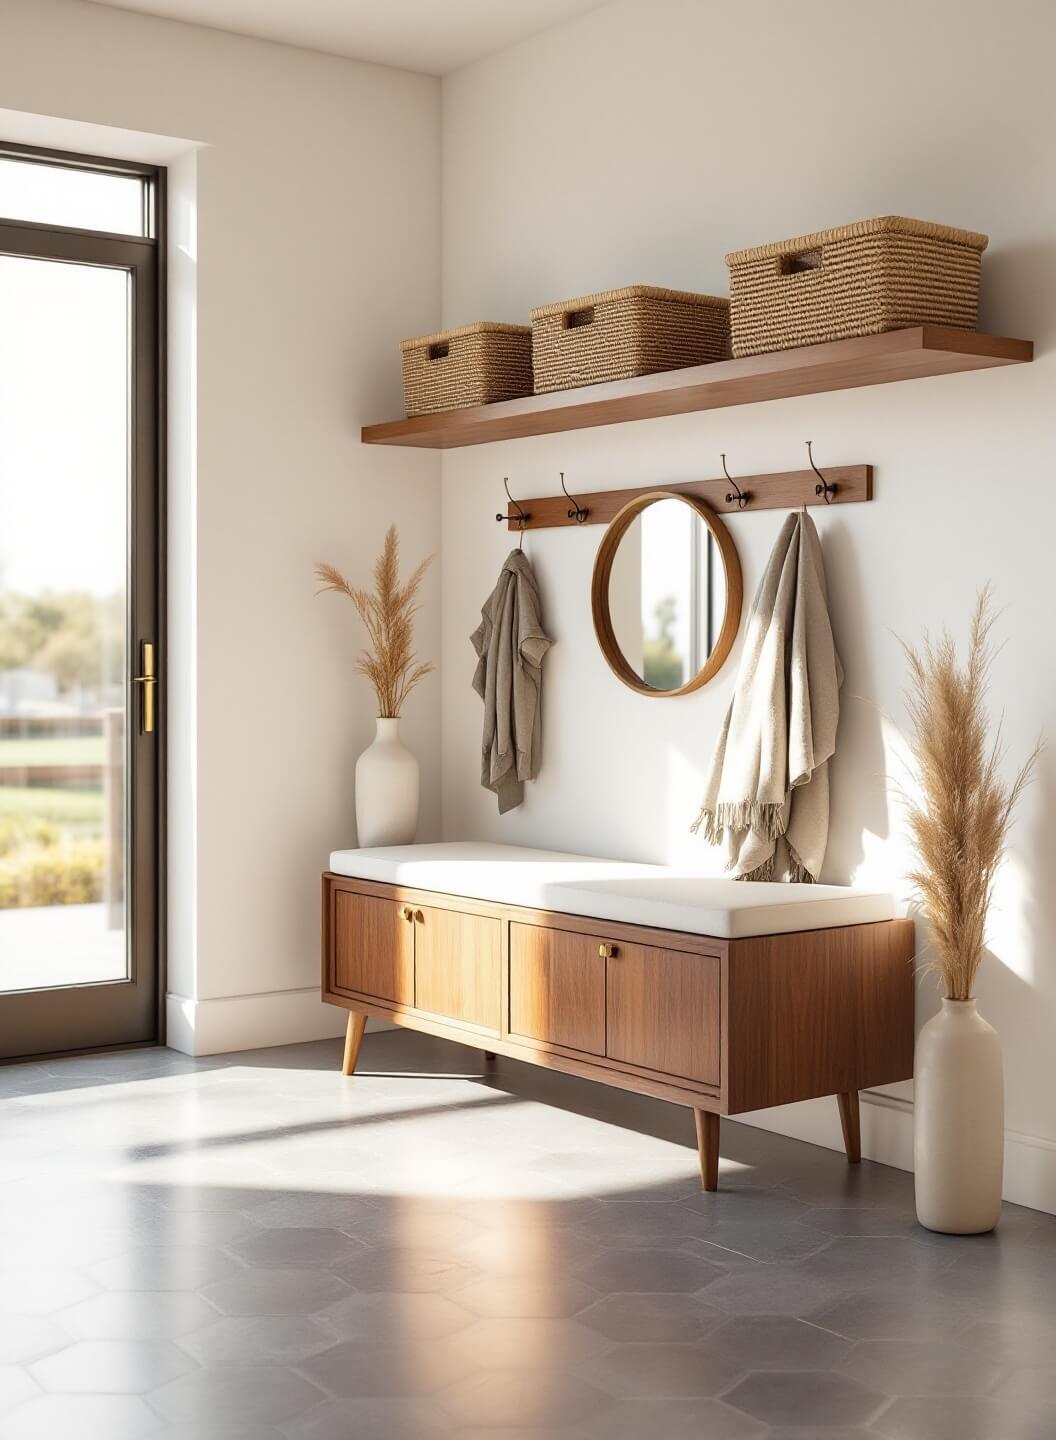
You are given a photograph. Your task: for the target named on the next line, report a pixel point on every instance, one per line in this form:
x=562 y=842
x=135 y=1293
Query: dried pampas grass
x=960 y=822
x=388 y=613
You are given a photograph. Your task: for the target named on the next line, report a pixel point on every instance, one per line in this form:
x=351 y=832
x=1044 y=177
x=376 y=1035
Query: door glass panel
x=64 y=465
x=87 y=199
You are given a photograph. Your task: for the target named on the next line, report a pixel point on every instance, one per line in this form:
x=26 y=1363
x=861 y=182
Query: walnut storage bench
x=716 y=994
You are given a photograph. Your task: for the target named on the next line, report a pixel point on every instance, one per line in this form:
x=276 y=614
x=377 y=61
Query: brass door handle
x=420 y=917
x=406 y=912
x=148 y=680
x=607 y=952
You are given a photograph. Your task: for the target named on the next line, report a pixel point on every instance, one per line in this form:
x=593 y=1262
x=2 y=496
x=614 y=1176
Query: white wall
x=304 y=246
x=640 y=144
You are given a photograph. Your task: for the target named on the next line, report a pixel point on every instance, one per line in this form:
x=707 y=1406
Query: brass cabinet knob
x=419 y=916
x=406 y=912
x=607 y=952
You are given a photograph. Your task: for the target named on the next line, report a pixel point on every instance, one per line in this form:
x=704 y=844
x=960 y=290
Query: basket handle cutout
x=577 y=319
x=802 y=263
x=439 y=351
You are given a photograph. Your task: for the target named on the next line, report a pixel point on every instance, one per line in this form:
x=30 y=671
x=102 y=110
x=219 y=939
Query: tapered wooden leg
x=708 y=1145
x=850 y=1119
x=489 y=1058
x=357 y=1023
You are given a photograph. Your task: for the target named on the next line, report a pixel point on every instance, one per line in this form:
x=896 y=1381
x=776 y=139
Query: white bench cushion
x=667 y=897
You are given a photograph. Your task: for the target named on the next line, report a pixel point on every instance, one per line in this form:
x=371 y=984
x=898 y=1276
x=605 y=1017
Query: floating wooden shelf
x=840 y=365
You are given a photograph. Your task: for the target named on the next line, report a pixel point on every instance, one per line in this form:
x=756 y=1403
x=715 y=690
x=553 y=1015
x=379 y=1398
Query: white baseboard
x=887 y=1136
x=251 y=1022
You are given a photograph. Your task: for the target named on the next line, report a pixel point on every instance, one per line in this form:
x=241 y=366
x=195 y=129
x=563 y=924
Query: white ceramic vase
x=959 y=1122
x=386 y=789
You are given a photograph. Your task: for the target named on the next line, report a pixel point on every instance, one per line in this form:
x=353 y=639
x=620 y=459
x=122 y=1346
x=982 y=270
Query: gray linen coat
x=510 y=645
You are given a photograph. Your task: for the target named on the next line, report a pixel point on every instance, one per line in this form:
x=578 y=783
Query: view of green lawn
x=72 y=807
x=62 y=750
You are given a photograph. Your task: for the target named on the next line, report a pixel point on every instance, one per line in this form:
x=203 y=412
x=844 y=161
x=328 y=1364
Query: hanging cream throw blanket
x=510 y=646
x=767 y=796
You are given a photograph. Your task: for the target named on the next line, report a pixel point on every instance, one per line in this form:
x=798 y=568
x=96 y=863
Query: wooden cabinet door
x=663 y=1011
x=557 y=988
x=457 y=966
x=373 y=947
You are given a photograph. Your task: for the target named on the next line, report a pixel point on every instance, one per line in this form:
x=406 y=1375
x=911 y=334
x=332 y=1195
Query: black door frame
x=109 y=1014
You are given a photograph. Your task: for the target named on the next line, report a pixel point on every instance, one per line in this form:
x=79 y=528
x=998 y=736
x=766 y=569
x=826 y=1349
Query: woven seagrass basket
x=471 y=365
x=620 y=333
x=860 y=279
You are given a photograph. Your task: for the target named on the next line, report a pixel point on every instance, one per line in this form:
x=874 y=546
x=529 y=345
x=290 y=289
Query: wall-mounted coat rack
x=737 y=494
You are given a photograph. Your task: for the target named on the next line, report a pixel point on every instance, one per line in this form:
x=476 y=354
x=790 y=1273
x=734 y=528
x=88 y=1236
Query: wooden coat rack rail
x=785 y=490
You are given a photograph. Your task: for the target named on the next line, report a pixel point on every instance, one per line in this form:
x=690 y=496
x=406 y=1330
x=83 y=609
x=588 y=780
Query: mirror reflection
x=667 y=594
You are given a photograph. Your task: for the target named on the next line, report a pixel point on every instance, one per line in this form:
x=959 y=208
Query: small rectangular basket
x=471 y=365
x=617 y=334
x=884 y=274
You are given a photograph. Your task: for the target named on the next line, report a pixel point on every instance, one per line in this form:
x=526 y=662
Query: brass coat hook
x=826 y=487
x=578 y=514
x=741 y=496
x=522 y=516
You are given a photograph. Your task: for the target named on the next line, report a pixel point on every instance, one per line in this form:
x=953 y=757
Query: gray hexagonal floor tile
x=1030 y=1385
x=912 y=1367
x=305 y=1209
x=952 y=1417
x=843 y=1220
x=275 y=1292
x=678 y=1418
x=16 y=1387
x=37 y=1291
x=414 y=1224
x=270 y=1394
x=401 y=1270
x=358 y=1368
x=299 y=1246
x=669 y=1316
x=525 y=1398
x=648 y=1272
x=855 y=1261
x=196 y=1430
x=532 y=1344
x=410 y=1316
x=905 y=1313
x=661 y=1368
x=258 y=1340
x=778 y=1342
x=117 y=1417
x=532 y=1296
x=163 y=1267
x=1011 y=1338
x=805 y=1398
x=369 y=1420
x=136 y=1315
x=112 y=1367
x=772 y=1290
x=25 y=1338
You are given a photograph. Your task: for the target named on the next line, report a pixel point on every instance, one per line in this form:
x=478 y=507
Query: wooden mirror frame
x=599 y=592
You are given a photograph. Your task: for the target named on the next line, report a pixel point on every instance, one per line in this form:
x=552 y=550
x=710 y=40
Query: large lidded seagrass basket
x=884 y=274
x=617 y=334
x=471 y=365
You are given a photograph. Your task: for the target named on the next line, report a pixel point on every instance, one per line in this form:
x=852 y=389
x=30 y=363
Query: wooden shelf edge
x=916 y=353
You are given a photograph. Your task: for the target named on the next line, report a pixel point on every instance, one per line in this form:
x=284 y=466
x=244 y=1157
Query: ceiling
x=433 y=36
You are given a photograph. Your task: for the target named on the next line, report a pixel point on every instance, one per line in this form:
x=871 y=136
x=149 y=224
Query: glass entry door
x=79 y=608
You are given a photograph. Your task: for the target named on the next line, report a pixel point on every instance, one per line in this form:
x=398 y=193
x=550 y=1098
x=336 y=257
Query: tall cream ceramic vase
x=959 y=1122
x=386 y=789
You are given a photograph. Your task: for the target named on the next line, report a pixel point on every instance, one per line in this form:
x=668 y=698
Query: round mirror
x=666 y=593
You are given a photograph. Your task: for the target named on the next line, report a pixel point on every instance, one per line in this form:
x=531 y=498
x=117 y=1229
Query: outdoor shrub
x=24 y=830
x=67 y=875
